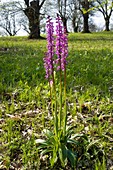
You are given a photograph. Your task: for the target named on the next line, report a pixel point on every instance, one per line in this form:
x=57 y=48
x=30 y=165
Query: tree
x=106 y=8
x=76 y=21
x=32 y=11
x=92 y=26
x=84 y=7
x=75 y=15
x=23 y=21
x=9 y=19
x=62 y=8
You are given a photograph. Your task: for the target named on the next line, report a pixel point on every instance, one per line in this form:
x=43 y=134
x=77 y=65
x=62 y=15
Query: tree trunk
x=76 y=29
x=107 y=24
x=64 y=20
x=74 y=25
x=33 y=14
x=85 y=23
x=85 y=5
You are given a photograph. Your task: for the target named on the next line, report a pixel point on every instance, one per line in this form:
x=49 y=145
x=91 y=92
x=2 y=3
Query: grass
x=25 y=104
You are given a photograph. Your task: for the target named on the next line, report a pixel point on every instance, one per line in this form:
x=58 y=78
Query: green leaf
x=71 y=141
x=48 y=133
x=39 y=141
x=43 y=143
x=45 y=151
x=77 y=135
x=92 y=143
x=51 y=138
x=72 y=157
x=42 y=146
x=63 y=155
x=69 y=130
x=54 y=158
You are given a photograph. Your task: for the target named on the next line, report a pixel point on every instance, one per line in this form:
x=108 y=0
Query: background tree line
x=30 y=15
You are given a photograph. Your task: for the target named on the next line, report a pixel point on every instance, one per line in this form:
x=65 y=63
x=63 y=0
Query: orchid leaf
x=40 y=141
x=71 y=141
x=71 y=157
x=48 y=150
x=63 y=155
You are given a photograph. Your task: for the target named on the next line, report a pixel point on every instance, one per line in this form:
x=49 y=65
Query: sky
x=99 y=20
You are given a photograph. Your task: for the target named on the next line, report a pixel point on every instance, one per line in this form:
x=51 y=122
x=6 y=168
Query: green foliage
x=99 y=165
x=59 y=148
x=25 y=104
x=30 y=155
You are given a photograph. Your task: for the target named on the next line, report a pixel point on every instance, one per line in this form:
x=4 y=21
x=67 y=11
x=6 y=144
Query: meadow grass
x=25 y=100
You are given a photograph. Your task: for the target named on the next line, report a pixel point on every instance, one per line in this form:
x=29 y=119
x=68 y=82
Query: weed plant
x=25 y=101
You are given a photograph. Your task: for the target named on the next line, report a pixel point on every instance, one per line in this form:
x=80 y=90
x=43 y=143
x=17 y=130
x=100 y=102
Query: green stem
x=65 y=105
x=50 y=92
x=55 y=99
x=60 y=116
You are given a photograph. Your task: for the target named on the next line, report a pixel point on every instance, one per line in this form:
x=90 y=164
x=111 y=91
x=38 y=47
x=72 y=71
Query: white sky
x=99 y=20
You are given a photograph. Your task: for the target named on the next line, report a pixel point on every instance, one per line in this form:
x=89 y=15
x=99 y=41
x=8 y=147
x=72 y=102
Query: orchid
x=58 y=142
x=48 y=60
x=61 y=45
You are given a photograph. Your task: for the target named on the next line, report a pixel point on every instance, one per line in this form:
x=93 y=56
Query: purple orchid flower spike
x=48 y=60
x=61 y=44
